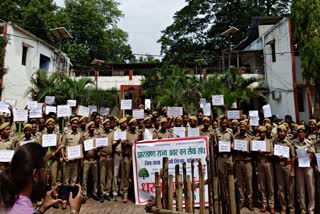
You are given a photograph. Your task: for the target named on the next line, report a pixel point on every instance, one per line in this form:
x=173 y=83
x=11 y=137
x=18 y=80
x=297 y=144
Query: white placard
x=281 y=151
x=207 y=109
x=254 y=121
x=11 y=102
x=241 y=145
x=35 y=113
x=49 y=100
x=224 y=146
x=217 y=100
x=63 y=111
x=253 y=113
x=122 y=135
x=49 y=140
x=138 y=113
x=93 y=108
x=234 y=114
x=193 y=132
x=104 y=111
x=51 y=109
x=174 y=111
x=4 y=107
x=179 y=132
x=203 y=101
x=148 y=134
x=318 y=159
x=259 y=145
x=303 y=158
x=72 y=103
x=74 y=152
x=88 y=145
x=83 y=111
x=147 y=104
x=102 y=142
x=126 y=104
x=267 y=111
x=20 y=115
x=6 y=155
x=32 y=104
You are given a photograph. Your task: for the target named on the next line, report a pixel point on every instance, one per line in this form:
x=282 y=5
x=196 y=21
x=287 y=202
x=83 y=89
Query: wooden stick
x=209 y=181
x=165 y=186
x=184 y=173
x=170 y=197
x=201 y=188
x=179 y=193
x=188 y=199
x=216 y=195
x=158 y=191
x=192 y=184
x=232 y=193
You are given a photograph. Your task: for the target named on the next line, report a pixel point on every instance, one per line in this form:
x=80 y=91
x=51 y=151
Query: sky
x=144 y=20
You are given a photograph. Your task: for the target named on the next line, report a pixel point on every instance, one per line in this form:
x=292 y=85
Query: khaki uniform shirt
x=21 y=141
x=224 y=136
x=164 y=134
x=239 y=155
x=108 y=149
x=91 y=153
x=71 y=139
x=210 y=133
x=5 y=145
x=288 y=143
x=131 y=137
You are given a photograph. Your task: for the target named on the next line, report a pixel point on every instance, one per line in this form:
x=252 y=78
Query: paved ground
x=117 y=207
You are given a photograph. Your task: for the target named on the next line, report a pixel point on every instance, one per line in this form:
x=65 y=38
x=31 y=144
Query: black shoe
x=101 y=199
x=116 y=198
x=107 y=197
x=84 y=200
x=56 y=206
x=95 y=197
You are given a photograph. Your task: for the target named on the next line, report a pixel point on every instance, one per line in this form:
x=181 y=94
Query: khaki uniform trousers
x=317 y=178
x=266 y=182
x=106 y=168
x=305 y=179
x=244 y=177
x=70 y=172
x=285 y=185
x=54 y=171
x=89 y=164
x=117 y=160
x=126 y=173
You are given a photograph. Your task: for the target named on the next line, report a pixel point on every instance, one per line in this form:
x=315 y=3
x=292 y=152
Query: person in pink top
x=24 y=182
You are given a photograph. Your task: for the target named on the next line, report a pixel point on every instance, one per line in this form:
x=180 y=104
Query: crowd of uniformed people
x=109 y=168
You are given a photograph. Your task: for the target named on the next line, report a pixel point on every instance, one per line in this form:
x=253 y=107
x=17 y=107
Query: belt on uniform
x=105 y=155
x=89 y=159
x=285 y=162
x=117 y=153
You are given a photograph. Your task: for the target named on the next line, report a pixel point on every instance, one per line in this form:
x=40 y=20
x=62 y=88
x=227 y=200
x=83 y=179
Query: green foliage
x=170 y=86
x=64 y=88
x=92 y=23
x=196 y=29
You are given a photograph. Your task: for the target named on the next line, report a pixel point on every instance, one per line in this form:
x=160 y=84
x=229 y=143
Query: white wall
x=278 y=75
x=17 y=80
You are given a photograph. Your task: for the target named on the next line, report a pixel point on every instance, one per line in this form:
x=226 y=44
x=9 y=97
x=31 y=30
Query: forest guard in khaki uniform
x=27 y=137
x=164 y=131
x=243 y=168
x=53 y=152
x=106 y=162
x=71 y=138
x=304 y=175
x=132 y=137
x=6 y=143
x=266 y=172
x=90 y=164
x=285 y=172
x=117 y=158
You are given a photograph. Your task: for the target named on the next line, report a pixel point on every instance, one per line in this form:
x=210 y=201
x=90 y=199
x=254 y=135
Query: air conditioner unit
x=276 y=95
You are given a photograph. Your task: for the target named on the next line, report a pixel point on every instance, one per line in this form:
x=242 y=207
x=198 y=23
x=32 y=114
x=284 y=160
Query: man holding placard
x=6 y=143
x=148 y=132
x=285 y=169
x=265 y=168
x=51 y=140
x=164 y=131
x=71 y=138
x=132 y=137
x=89 y=161
x=27 y=137
x=106 y=161
x=304 y=172
x=243 y=165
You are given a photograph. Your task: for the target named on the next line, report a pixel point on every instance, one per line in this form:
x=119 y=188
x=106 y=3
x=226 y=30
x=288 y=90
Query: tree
x=306 y=32
x=143 y=173
x=196 y=29
x=94 y=26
